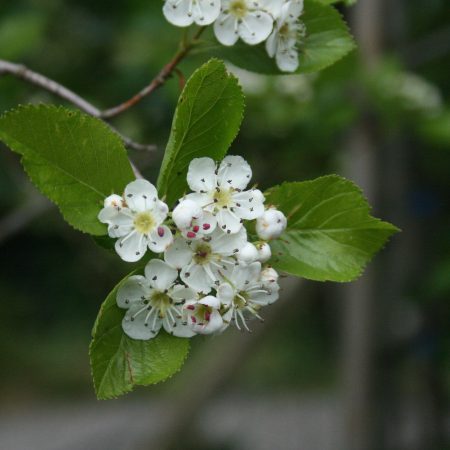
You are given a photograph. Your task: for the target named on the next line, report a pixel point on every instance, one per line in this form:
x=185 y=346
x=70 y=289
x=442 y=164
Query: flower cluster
x=253 y=21
x=211 y=274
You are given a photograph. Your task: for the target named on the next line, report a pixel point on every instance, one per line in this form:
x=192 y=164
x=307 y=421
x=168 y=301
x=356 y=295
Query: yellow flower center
x=144 y=222
x=202 y=254
x=222 y=198
x=161 y=301
x=238 y=8
x=241 y=299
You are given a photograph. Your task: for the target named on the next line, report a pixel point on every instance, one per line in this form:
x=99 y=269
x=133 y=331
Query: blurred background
x=364 y=366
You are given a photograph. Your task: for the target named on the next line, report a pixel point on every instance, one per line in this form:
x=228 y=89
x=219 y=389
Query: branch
x=165 y=73
x=23 y=73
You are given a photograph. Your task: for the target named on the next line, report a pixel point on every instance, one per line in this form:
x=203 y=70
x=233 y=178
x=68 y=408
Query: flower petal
x=207 y=12
x=177 y=13
x=134 y=290
x=244 y=275
x=234 y=171
x=180 y=293
x=141 y=195
x=179 y=254
x=255 y=27
x=211 y=301
x=272 y=43
x=196 y=277
x=160 y=275
x=228 y=221
x=179 y=329
x=287 y=60
x=226 y=244
x=160 y=239
x=225 y=293
x=225 y=29
x=201 y=175
x=132 y=247
x=120 y=222
x=138 y=323
x=249 y=204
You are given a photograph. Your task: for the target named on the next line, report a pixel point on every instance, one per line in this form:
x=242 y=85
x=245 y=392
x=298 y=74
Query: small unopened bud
x=185 y=212
x=269 y=277
x=114 y=201
x=264 y=252
x=271 y=224
x=248 y=253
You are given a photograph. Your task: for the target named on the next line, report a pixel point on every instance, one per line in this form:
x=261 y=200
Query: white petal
x=248 y=253
x=120 y=222
x=196 y=278
x=250 y=206
x=225 y=29
x=137 y=326
x=273 y=7
x=132 y=291
x=287 y=60
x=264 y=252
x=132 y=247
x=115 y=201
x=272 y=43
x=200 y=199
x=268 y=298
x=255 y=27
x=160 y=275
x=226 y=244
x=185 y=212
x=201 y=174
x=178 y=329
x=180 y=293
x=225 y=293
x=211 y=301
x=177 y=13
x=228 y=221
x=234 y=171
x=160 y=239
x=210 y=10
x=141 y=195
x=244 y=275
x=207 y=223
x=295 y=10
x=179 y=254
x=215 y=323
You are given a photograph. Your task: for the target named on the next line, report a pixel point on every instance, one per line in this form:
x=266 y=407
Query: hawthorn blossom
x=244 y=292
x=271 y=224
x=183 y=13
x=154 y=301
x=245 y=19
x=220 y=191
x=138 y=223
x=192 y=221
x=203 y=316
x=282 y=43
x=204 y=262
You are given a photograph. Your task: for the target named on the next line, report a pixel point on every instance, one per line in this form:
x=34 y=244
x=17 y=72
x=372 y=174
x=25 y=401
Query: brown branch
x=23 y=73
x=165 y=73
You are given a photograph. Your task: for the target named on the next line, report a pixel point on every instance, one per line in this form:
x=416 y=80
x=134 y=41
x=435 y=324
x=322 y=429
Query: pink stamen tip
x=207 y=316
x=206 y=226
x=196 y=228
x=191 y=235
x=161 y=231
x=191 y=307
x=194 y=320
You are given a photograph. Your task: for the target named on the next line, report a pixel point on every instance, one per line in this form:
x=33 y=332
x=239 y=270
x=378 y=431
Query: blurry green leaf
x=207 y=119
x=72 y=158
x=345 y=2
x=20 y=34
x=330 y=234
x=119 y=363
x=327 y=40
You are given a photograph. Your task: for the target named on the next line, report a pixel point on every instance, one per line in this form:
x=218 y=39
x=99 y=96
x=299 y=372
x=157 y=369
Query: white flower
x=138 y=223
x=192 y=221
x=220 y=191
x=154 y=301
x=203 y=316
x=204 y=262
x=244 y=292
x=282 y=43
x=264 y=252
x=114 y=201
x=183 y=13
x=271 y=224
x=245 y=19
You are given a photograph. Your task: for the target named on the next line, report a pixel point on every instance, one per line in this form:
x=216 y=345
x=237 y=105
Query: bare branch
x=21 y=72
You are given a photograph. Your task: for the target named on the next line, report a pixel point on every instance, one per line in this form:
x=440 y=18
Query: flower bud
x=113 y=201
x=269 y=277
x=185 y=212
x=248 y=253
x=271 y=224
x=264 y=252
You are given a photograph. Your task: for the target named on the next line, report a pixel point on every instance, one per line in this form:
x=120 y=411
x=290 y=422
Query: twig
x=21 y=72
x=158 y=81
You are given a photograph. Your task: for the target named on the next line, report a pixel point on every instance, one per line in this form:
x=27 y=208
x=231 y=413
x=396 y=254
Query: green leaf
x=327 y=40
x=207 y=119
x=330 y=233
x=72 y=158
x=345 y=2
x=119 y=363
